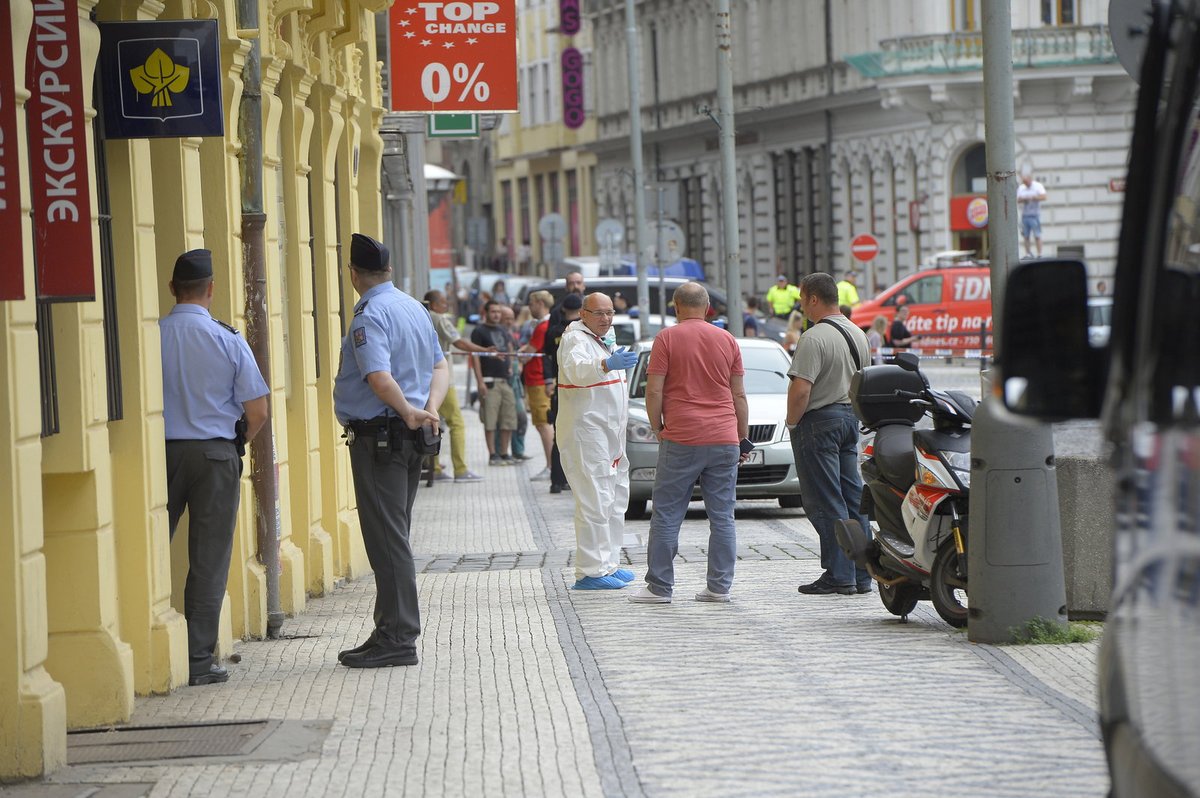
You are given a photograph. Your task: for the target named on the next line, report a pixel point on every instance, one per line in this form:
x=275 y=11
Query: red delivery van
x=948 y=305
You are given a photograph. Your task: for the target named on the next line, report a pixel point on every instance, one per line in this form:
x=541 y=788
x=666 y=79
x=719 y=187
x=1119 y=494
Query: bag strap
x=849 y=343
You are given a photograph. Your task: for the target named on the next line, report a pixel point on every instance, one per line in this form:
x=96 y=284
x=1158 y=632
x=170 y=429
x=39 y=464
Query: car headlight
x=638 y=431
x=787 y=433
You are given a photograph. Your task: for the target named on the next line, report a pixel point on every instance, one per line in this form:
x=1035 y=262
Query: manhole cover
x=135 y=743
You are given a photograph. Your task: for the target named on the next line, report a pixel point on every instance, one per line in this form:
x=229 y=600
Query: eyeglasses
x=604 y=314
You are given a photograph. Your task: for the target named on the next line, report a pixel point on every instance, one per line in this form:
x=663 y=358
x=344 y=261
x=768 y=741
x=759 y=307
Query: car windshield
x=766 y=371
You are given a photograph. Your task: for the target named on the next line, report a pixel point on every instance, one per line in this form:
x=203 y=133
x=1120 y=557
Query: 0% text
x=439 y=80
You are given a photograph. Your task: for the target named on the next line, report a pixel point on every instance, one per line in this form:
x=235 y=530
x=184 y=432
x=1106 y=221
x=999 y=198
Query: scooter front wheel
x=948 y=585
x=901 y=599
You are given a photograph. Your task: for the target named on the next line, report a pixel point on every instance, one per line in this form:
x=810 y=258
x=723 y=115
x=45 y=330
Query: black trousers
x=203 y=477
x=557 y=475
x=385 y=487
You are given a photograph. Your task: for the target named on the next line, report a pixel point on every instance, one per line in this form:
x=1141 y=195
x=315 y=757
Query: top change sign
x=453 y=57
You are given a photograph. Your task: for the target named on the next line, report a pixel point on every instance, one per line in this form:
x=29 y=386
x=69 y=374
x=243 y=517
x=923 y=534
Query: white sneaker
x=645 y=596
x=709 y=596
x=541 y=476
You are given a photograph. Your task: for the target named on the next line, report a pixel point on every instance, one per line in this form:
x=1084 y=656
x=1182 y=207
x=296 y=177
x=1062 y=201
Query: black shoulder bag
x=849 y=343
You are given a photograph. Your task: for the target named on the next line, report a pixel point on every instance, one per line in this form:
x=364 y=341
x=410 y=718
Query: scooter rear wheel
x=899 y=600
x=948 y=585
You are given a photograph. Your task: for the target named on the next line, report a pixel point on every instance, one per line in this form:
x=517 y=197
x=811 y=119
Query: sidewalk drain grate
x=137 y=743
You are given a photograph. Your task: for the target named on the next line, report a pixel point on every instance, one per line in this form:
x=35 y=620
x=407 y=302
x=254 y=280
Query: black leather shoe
x=863 y=588
x=216 y=674
x=360 y=648
x=819 y=588
x=556 y=488
x=381 y=657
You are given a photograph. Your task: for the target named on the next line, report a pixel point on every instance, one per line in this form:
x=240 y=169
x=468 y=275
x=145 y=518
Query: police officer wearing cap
x=392 y=378
x=210 y=382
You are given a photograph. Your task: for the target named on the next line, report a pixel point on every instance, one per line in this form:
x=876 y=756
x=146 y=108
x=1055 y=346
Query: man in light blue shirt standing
x=210 y=382
x=391 y=381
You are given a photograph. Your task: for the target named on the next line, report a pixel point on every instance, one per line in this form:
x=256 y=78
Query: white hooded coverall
x=593 y=408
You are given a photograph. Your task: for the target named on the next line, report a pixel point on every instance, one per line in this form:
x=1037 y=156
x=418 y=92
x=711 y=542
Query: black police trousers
x=203 y=476
x=385 y=485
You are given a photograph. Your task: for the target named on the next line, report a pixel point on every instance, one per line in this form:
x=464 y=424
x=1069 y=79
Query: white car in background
x=770 y=473
x=629 y=329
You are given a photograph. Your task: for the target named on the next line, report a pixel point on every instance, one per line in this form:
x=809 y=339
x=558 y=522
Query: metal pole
x=258 y=322
x=1015 y=566
x=827 y=171
x=418 y=219
x=660 y=261
x=733 y=254
x=639 y=167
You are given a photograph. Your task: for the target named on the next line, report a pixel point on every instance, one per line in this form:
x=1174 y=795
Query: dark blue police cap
x=572 y=302
x=368 y=254
x=194 y=264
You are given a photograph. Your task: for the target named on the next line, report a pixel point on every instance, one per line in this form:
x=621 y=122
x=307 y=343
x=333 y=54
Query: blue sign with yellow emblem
x=160 y=79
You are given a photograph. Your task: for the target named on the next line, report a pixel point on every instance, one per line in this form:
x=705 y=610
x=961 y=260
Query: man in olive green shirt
x=449 y=410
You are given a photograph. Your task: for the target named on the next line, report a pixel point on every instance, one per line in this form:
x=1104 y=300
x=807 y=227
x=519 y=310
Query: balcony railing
x=963 y=51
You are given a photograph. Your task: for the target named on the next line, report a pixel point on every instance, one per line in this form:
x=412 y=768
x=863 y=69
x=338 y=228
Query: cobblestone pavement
x=528 y=688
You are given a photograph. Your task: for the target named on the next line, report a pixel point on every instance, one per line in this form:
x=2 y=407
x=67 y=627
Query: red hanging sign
x=12 y=265
x=453 y=57
x=58 y=163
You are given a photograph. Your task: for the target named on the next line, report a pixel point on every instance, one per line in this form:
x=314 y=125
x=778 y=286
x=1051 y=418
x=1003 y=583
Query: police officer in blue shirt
x=392 y=378
x=210 y=382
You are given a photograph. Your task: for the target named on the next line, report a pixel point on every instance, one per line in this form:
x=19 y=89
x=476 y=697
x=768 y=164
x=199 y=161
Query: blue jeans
x=825 y=445
x=679 y=466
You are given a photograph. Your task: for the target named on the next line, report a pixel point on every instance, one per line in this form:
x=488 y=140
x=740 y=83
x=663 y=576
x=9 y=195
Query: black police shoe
x=369 y=643
x=381 y=657
x=216 y=674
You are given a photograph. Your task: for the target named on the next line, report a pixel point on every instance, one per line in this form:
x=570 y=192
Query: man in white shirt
x=1030 y=196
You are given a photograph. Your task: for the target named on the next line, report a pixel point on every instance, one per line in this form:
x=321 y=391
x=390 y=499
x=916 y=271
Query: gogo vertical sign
x=12 y=265
x=58 y=162
x=453 y=57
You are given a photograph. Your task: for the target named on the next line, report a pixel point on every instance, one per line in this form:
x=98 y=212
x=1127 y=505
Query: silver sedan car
x=770 y=473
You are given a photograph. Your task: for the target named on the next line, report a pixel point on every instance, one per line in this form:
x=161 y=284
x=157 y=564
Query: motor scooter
x=917 y=489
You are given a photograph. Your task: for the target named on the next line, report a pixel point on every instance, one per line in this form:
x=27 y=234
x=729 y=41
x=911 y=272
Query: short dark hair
x=820 y=285
x=488 y=305
x=192 y=289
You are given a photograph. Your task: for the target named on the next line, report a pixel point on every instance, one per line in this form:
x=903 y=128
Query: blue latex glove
x=621 y=359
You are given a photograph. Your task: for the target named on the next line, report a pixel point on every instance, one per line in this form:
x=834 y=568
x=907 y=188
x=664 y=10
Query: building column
x=328 y=219
x=307 y=359
x=292 y=577
x=33 y=709
x=152 y=627
x=86 y=653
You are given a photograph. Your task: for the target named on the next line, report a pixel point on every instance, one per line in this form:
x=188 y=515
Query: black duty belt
x=373 y=428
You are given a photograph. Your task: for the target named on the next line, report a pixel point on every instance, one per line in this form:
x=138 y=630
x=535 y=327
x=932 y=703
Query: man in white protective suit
x=592 y=411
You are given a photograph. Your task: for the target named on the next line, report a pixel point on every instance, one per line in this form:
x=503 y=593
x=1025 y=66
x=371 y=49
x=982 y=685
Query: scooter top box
x=873 y=395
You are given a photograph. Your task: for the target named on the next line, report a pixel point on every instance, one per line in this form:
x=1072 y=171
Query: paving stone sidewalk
x=526 y=688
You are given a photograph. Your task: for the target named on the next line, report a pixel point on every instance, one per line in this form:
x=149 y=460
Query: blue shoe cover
x=624 y=574
x=599 y=583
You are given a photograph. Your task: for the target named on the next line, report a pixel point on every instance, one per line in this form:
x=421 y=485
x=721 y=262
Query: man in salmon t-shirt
x=697 y=408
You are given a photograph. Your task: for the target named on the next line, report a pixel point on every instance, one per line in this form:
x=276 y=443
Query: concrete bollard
x=1086 y=490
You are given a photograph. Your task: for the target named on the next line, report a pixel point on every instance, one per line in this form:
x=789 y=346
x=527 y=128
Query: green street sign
x=452 y=126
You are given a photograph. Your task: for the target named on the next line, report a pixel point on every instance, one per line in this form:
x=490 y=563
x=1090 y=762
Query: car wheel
x=790 y=502
x=636 y=510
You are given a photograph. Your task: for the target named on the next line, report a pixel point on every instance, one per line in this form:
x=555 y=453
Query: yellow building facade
x=90 y=608
x=540 y=165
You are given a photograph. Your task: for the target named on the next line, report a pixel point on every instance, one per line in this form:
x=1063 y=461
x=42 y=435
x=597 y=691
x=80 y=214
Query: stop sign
x=864 y=247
